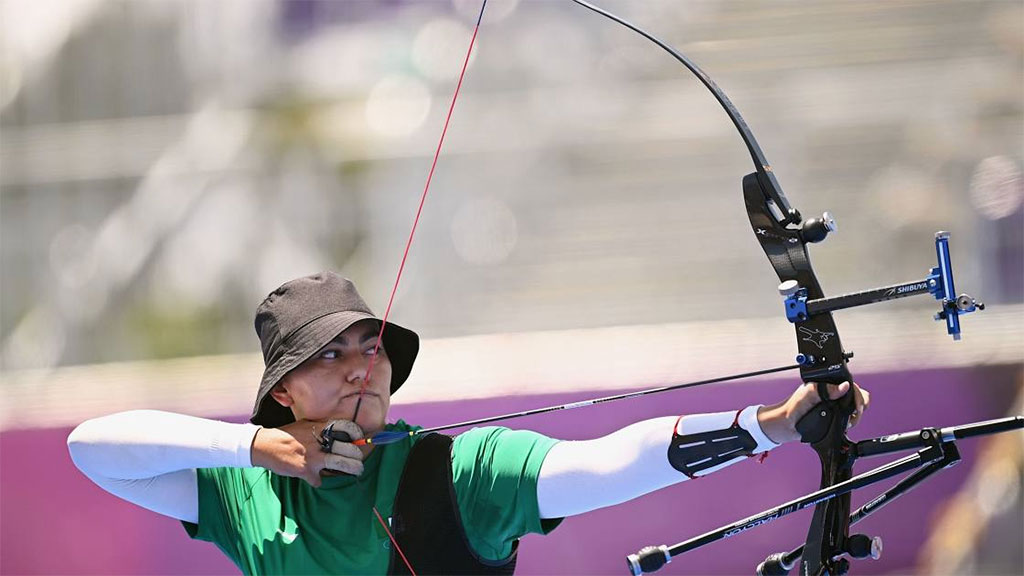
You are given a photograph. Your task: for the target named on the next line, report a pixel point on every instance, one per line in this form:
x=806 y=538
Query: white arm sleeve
x=150 y=458
x=580 y=476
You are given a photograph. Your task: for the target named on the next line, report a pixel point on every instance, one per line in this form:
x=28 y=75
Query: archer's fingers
x=861 y=400
x=865 y=399
x=349 y=427
x=343 y=464
x=836 y=392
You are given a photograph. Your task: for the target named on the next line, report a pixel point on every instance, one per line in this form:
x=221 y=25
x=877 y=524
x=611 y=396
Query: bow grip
x=814 y=425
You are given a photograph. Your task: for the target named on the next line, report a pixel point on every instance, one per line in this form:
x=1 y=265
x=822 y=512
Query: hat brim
x=402 y=346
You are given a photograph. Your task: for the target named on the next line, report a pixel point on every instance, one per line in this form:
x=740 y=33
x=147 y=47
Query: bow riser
x=824 y=362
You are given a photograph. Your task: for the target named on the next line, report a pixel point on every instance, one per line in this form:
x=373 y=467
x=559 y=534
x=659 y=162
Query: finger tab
x=347 y=450
x=343 y=464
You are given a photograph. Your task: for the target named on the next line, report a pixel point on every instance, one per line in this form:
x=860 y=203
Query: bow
x=784 y=235
x=822 y=359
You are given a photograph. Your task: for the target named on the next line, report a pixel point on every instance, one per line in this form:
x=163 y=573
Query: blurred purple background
x=55 y=521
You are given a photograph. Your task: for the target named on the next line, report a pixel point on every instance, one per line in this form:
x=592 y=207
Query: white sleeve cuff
x=748 y=421
x=233 y=445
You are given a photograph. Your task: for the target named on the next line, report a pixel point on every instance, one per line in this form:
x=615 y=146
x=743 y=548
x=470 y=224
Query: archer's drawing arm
x=149 y=457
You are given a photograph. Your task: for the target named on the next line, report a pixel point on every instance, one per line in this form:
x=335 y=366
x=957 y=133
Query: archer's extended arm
x=580 y=476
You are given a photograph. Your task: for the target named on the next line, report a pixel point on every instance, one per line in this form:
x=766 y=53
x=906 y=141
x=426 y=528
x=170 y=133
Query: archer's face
x=326 y=386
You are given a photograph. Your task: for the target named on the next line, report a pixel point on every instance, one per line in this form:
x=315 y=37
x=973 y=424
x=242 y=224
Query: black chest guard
x=426 y=522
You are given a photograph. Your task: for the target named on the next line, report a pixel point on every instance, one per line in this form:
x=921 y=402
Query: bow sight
x=938 y=283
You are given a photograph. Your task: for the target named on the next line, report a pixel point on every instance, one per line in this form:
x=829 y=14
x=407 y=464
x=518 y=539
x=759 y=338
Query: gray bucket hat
x=302 y=316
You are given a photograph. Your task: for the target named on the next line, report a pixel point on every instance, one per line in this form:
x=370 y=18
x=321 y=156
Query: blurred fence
x=164 y=165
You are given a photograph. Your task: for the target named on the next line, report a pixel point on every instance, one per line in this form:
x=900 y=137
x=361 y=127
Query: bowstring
x=405 y=256
x=419 y=211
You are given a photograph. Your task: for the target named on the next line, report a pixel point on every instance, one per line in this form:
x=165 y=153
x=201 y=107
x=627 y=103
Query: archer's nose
x=358 y=369
x=356 y=373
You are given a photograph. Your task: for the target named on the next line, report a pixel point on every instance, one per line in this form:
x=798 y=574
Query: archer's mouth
x=356 y=395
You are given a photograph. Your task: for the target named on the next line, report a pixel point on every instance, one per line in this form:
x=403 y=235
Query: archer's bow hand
x=779 y=421
x=296 y=450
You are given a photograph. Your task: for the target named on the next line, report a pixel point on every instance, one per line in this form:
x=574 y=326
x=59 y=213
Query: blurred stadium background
x=165 y=164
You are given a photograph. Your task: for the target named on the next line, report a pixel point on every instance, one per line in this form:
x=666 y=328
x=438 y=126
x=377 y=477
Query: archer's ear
x=281 y=394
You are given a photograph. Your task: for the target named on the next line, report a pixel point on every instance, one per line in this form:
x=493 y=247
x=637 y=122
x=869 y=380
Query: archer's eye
x=330 y=354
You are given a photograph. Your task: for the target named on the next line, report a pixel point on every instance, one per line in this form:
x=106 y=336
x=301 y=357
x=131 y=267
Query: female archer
x=278 y=498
